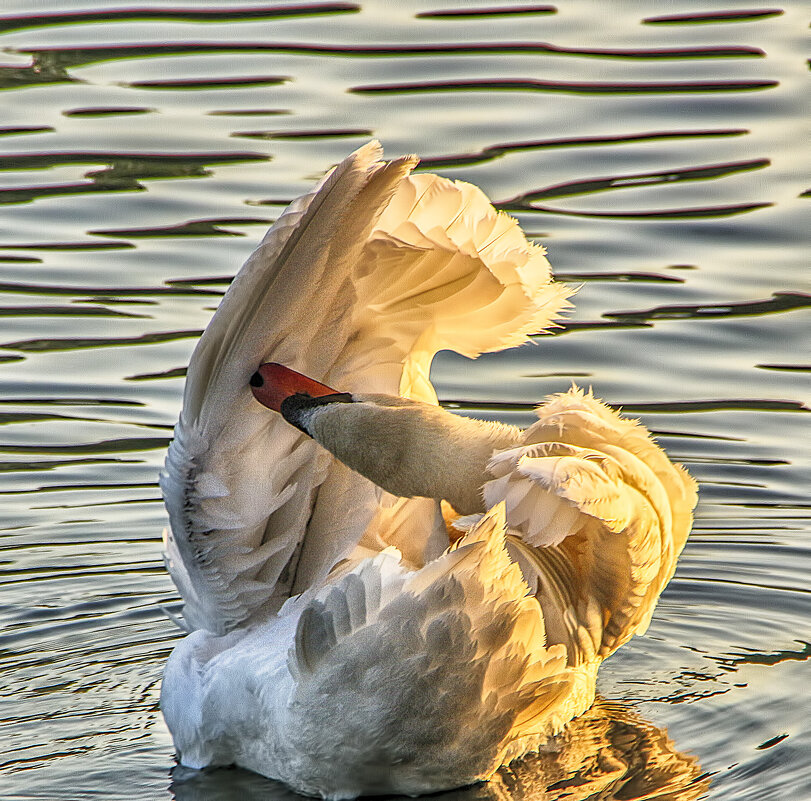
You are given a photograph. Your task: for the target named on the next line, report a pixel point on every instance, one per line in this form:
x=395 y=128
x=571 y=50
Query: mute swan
x=340 y=639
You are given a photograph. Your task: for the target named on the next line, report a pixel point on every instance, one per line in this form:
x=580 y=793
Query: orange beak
x=272 y=383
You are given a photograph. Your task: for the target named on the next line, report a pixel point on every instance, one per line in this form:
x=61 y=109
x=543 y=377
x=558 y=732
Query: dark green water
x=658 y=149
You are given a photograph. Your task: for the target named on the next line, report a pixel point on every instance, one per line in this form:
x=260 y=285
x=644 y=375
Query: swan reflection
x=610 y=752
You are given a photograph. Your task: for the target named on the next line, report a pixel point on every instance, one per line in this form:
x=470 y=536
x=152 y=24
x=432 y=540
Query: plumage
x=340 y=639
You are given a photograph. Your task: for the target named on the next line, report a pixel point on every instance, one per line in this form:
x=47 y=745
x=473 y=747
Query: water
x=142 y=156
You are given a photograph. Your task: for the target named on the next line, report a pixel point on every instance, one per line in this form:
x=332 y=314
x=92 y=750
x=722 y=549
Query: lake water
x=658 y=149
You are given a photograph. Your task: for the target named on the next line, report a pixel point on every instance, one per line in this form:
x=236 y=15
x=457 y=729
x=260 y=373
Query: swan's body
x=339 y=642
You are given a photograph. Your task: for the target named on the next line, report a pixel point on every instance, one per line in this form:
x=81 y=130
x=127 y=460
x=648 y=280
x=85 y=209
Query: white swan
x=340 y=640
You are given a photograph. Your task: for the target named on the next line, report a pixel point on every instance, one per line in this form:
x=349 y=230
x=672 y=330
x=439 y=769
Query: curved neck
x=412 y=449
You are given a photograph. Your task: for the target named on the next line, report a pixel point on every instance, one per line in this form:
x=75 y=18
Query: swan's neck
x=410 y=448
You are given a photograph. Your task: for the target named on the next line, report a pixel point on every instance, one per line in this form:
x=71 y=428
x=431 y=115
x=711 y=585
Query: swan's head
x=404 y=446
x=292 y=394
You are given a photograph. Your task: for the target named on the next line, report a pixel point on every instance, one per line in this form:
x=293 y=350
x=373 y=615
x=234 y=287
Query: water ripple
x=779 y=302
x=14 y=22
x=191 y=228
x=135 y=164
x=124 y=171
x=320 y=133
x=107 y=111
x=495 y=151
x=685 y=213
x=66 y=311
x=569 y=87
x=42 y=345
x=51 y=63
x=16 y=130
x=633 y=180
x=211 y=83
x=179 y=288
x=491 y=11
x=715 y=16
x=120 y=445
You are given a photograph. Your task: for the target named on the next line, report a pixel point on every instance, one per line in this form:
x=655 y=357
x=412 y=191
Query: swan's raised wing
x=599 y=515
x=239 y=482
x=358 y=284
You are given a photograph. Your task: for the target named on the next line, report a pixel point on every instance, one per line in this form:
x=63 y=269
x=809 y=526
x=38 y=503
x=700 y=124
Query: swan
x=381 y=596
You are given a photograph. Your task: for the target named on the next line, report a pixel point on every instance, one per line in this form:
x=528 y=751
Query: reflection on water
x=125 y=173
x=586 y=88
x=655 y=151
x=608 y=753
x=189 y=14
